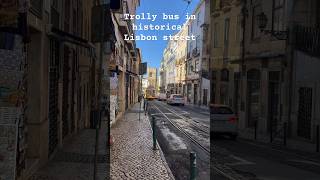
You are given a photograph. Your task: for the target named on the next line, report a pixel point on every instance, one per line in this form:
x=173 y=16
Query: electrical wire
x=189 y=2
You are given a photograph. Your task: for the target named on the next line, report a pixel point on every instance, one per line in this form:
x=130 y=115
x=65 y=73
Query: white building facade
x=197 y=63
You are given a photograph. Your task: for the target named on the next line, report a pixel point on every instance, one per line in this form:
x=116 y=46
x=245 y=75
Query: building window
x=253 y=96
x=196 y=65
x=150 y=74
x=216 y=35
x=189 y=67
x=198 y=42
x=224 y=75
x=190 y=47
x=255 y=26
x=54 y=3
x=224 y=98
x=278 y=15
x=215 y=4
x=198 y=18
x=214 y=75
x=190 y=27
x=239 y=29
x=213 y=93
x=226 y=30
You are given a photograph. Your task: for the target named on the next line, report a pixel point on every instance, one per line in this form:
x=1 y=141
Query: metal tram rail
x=206 y=150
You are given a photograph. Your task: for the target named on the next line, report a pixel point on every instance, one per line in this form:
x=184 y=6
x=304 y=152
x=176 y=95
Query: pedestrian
x=145 y=106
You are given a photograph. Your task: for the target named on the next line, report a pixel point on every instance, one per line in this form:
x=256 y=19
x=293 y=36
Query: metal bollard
x=193 y=166
x=140 y=111
x=318 y=138
x=154 y=133
x=271 y=131
x=255 y=130
x=285 y=134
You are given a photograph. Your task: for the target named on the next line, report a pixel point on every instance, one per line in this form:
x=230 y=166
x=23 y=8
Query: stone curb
x=161 y=154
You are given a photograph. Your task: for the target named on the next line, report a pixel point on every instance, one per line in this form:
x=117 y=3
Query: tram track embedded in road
x=206 y=150
x=184 y=118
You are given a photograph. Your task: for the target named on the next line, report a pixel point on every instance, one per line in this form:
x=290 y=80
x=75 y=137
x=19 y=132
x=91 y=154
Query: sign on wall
x=143 y=68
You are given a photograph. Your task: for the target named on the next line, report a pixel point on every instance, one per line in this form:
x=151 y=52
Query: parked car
x=176 y=99
x=162 y=97
x=223 y=121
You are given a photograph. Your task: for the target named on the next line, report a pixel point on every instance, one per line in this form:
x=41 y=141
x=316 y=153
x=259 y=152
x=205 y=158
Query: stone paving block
x=132 y=156
x=75 y=161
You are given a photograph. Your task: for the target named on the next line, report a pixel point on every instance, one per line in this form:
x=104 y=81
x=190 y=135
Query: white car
x=224 y=121
x=176 y=99
x=162 y=97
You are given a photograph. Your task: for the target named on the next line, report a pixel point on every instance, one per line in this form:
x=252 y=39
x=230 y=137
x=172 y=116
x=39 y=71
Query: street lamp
x=262 y=24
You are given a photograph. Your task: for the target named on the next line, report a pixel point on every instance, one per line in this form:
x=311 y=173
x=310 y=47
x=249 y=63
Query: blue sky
x=152 y=50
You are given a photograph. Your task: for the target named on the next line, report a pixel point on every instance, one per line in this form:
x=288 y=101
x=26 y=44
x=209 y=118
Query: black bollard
x=285 y=134
x=193 y=166
x=255 y=129
x=318 y=138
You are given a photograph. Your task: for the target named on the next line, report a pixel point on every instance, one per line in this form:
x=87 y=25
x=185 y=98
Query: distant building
x=162 y=77
x=152 y=76
x=197 y=77
x=226 y=34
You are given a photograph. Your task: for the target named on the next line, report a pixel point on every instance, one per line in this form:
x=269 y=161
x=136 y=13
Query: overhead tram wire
x=183 y=13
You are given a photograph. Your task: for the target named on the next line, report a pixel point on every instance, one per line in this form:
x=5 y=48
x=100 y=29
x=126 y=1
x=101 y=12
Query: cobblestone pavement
x=75 y=161
x=132 y=156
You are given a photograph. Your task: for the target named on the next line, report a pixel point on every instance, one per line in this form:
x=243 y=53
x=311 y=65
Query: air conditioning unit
x=195 y=52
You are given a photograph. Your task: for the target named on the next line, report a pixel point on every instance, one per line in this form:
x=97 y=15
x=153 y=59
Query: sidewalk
x=132 y=156
x=299 y=147
x=75 y=161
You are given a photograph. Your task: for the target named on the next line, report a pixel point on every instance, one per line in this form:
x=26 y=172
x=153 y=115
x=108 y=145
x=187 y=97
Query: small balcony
x=307 y=39
x=116 y=61
x=36 y=7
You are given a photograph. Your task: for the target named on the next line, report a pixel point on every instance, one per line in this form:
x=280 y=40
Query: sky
x=152 y=50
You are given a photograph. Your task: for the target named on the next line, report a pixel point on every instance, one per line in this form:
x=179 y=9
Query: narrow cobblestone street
x=132 y=156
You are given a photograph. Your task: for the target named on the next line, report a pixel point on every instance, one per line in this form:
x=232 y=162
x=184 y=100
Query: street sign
x=143 y=68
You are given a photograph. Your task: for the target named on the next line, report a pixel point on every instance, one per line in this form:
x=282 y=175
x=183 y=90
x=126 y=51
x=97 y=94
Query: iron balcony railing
x=308 y=39
x=36 y=7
